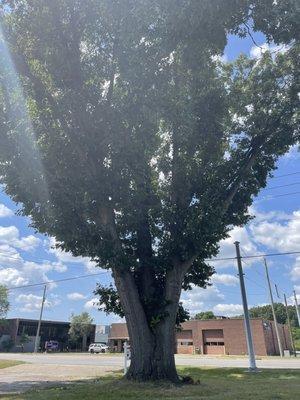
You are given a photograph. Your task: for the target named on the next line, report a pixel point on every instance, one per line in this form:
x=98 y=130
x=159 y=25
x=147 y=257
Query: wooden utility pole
x=252 y=362
x=273 y=310
x=289 y=324
x=37 y=337
x=297 y=308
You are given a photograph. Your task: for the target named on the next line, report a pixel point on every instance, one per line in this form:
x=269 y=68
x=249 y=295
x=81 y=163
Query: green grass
x=215 y=384
x=9 y=363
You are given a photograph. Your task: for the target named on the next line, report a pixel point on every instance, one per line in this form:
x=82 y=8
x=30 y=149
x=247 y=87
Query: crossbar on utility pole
x=252 y=362
x=37 y=337
x=273 y=310
x=289 y=324
x=297 y=308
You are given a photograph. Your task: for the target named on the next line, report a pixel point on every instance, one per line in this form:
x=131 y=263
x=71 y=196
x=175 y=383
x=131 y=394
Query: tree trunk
x=152 y=348
x=84 y=341
x=152 y=355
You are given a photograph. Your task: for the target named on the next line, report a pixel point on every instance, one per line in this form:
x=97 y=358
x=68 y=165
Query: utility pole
x=289 y=324
x=273 y=310
x=252 y=363
x=37 y=337
x=297 y=308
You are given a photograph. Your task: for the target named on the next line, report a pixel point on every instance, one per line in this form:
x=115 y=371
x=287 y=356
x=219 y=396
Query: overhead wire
x=56 y=281
x=284 y=175
x=281 y=186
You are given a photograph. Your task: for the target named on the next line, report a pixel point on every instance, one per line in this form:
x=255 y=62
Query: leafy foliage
x=205 y=315
x=266 y=313
x=80 y=326
x=124 y=137
x=4 y=303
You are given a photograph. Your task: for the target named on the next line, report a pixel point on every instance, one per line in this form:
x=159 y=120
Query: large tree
x=124 y=137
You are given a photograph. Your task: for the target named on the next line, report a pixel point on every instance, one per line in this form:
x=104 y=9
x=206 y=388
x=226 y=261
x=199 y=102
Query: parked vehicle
x=98 y=348
x=51 y=346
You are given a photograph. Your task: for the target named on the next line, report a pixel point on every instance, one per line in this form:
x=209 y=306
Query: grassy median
x=9 y=363
x=215 y=384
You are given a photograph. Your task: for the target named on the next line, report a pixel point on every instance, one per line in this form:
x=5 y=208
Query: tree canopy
x=205 y=315
x=280 y=312
x=124 y=137
x=4 y=303
x=80 y=327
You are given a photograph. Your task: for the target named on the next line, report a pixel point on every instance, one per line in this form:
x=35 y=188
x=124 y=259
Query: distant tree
x=80 y=328
x=266 y=313
x=8 y=344
x=123 y=136
x=296 y=336
x=205 y=315
x=4 y=303
x=23 y=340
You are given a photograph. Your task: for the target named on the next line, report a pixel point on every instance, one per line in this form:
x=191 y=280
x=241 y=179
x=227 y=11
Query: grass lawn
x=9 y=363
x=215 y=384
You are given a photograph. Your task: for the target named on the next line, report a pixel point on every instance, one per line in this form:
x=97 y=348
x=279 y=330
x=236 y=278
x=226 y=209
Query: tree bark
x=84 y=341
x=152 y=347
x=152 y=355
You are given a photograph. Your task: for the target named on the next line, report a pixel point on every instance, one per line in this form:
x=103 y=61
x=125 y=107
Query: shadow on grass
x=215 y=384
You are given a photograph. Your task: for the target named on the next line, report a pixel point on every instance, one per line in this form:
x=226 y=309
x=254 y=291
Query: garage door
x=213 y=340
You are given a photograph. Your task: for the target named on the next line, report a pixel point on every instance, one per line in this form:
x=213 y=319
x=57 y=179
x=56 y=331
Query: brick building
x=221 y=336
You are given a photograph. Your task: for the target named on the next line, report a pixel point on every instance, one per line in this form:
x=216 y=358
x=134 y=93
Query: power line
x=254 y=256
x=281 y=186
x=278 y=195
x=283 y=176
x=57 y=281
x=258 y=272
x=253 y=281
x=216 y=259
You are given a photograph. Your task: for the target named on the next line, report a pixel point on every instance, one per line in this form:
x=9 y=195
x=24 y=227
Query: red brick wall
x=264 y=337
x=234 y=334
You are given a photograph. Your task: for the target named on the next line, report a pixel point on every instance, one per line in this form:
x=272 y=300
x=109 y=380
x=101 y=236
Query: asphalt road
x=107 y=360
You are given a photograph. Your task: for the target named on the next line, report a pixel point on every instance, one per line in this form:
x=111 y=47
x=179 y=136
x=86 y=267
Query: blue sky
x=27 y=257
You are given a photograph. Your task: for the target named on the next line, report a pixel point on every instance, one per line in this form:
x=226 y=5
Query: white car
x=98 y=348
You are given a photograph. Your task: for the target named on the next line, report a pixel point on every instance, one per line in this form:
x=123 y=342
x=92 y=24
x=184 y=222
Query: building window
x=214 y=343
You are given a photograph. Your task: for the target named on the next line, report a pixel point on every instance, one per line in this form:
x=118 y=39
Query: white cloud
x=292 y=154
x=67 y=257
x=15 y=271
x=225 y=279
x=92 y=304
x=228 y=309
x=274 y=215
x=28 y=243
x=12 y=277
x=295 y=271
x=281 y=236
x=257 y=52
x=76 y=296
x=9 y=257
x=279 y=232
x=297 y=289
x=199 y=299
x=10 y=235
x=32 y=303
x=5 y=211
x=220 y=58
x=227 y=247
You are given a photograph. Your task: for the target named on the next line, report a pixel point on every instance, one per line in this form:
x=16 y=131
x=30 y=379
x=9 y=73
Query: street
x=109 y=360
